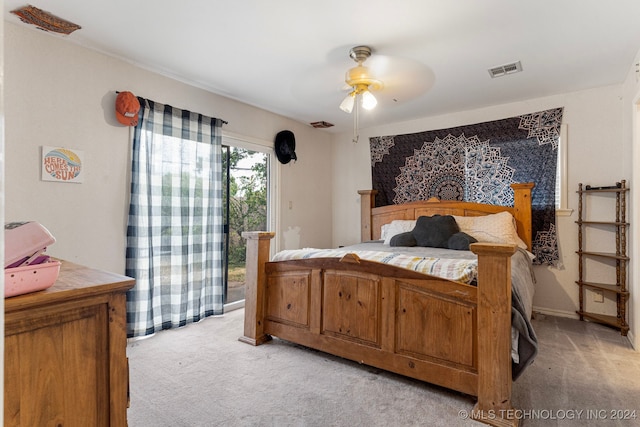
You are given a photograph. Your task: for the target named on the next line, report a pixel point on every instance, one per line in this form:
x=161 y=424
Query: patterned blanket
x=460 y=270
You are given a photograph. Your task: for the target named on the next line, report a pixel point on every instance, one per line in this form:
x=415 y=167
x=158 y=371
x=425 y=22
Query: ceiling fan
x=392 y=81
x=360 y=82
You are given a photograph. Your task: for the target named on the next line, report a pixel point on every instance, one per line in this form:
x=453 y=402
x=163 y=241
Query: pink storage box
x=27 y=268
x=24 y=242
x=30 y=278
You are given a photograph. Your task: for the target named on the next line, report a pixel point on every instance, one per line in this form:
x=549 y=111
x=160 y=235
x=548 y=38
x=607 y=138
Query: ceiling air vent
x=503 y=70
x=321 y=125
x=45 y=20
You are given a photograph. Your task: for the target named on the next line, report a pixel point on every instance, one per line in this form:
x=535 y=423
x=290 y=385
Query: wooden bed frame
x=439 y=331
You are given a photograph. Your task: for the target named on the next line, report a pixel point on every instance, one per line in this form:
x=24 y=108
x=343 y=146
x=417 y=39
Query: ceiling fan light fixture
x=361 y=83
x=369 y=101
x=360 y=75
x=347 y=102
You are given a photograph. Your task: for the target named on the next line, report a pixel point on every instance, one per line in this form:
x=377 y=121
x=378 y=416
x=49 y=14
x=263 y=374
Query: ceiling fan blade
x=404 y=79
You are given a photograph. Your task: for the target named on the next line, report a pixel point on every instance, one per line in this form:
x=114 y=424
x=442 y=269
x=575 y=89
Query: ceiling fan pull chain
x=356 y=135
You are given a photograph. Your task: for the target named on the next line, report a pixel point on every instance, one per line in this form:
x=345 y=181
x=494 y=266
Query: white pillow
x=395 y=227
x=494 y=228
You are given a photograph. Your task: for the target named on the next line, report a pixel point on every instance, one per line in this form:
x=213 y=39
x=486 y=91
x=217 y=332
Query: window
x=561 y=176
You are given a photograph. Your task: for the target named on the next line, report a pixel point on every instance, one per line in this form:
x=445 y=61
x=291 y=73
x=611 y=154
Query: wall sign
x=62 y=164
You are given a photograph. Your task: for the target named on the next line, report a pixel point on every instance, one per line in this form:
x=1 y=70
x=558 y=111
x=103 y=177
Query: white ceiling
x=290 y=56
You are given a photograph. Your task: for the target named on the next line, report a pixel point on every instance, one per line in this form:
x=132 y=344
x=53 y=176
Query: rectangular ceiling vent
x=321 y=125
x=45 y=20
x=503 y=70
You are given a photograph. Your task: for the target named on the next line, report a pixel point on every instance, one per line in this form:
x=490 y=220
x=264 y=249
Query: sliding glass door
x=246 y=208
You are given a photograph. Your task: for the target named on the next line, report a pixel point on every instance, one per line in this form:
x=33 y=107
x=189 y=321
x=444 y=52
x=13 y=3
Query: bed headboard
x=373 y=218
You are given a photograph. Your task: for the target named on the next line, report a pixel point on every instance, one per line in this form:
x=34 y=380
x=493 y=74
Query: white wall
x=61 y=94
x=598 y=149
x=2 y=202
x=632 y=132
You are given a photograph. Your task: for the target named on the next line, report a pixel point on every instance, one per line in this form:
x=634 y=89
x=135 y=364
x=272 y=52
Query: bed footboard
x=424 y=327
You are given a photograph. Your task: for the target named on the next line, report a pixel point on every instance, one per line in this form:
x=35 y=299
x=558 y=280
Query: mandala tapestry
x=476 y=163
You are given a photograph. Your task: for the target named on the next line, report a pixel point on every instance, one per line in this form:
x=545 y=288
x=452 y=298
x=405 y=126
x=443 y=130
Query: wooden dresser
x=65 y=360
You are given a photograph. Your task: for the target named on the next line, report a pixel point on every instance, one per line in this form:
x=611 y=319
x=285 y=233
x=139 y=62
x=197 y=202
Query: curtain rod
x=224 y=122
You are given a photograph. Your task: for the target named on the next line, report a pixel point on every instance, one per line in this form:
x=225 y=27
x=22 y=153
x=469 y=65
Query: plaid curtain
x=175 y=228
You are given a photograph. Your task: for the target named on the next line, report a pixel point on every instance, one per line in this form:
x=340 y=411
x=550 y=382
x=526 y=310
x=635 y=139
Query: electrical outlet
x=598 y=296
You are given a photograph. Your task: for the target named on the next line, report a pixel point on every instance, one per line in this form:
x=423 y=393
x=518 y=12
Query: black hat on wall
x=285 y=146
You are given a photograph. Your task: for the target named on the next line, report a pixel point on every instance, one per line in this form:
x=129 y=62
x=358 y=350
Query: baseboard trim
x=233 y=306
x=557 y=313
x=573 y=315
x=632 y=340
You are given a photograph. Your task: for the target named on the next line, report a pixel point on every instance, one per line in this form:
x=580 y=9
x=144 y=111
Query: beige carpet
x=200 y=375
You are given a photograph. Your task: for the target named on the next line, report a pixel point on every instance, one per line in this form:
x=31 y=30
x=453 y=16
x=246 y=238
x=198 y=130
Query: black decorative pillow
x=435 y=231
x=460 y=241
x=403 y=239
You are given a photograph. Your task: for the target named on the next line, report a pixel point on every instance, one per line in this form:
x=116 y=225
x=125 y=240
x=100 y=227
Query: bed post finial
x=258 y=253
x=367 y=202
x=522 y=210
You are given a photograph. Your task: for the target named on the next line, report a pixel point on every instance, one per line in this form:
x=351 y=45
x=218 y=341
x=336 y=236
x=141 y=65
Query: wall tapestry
x=476 y=163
